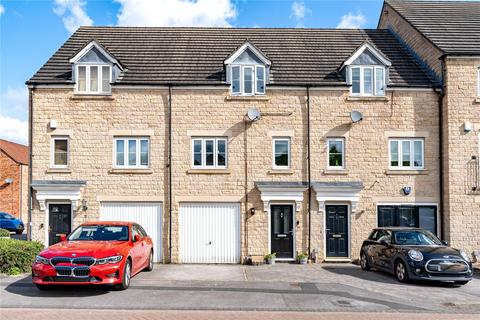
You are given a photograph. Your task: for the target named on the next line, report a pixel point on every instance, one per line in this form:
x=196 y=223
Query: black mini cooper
x=414 y=254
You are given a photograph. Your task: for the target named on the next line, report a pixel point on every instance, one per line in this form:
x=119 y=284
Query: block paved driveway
x=282 y=287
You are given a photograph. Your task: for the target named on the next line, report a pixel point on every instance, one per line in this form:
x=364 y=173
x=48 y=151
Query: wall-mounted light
x=407 y=190
x=467 y=126
x=84 y=205
x=53 y=124
x=252 y=211
x=8 y=181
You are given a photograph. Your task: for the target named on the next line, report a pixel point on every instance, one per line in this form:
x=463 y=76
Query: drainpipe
x=309 y=174
x=30 y=163
x=441 y=95
x=170 y=172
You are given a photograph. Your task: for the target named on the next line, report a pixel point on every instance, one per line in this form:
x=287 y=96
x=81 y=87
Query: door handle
x=209 y=243
x=336 y=235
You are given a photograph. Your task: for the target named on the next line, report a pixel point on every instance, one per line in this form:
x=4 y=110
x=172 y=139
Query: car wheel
x=461 y=283
x=364 y=261
x=19 y=231
x=150 y=262
x=127 y=275
x=43 y=287
x=401 y=272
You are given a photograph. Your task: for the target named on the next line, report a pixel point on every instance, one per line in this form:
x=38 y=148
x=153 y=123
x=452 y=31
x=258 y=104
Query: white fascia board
x=88 y=47
x=244 y=47
x=374 y=51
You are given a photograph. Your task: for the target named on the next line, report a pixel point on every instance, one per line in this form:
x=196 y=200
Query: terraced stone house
x=227 y=144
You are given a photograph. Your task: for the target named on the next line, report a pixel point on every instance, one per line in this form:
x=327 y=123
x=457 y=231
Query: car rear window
x=100 y=233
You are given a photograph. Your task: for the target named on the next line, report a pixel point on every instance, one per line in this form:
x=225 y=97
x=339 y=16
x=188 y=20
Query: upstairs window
x=132 y=153
x=336 y=153
x=281 y=153
x=406 y=154
x=209 y=153
x=93 y=79
x=478 y=82
x=367 y=80
x=59 y=152
x=248 y=80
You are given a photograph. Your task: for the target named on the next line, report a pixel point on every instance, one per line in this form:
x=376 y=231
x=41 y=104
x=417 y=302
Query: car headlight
x=112 y=259
x=415 y=255
x=465 y=255
x=42 y=260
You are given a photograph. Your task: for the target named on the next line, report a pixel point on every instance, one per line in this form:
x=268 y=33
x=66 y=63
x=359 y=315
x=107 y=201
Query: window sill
x=130 y=171
x=58 y=170
x=280 y=171
x=208 y=171
x=367 y=98
x=406 y=172
x=333 y=172
x=79 y=96
x=247 y=98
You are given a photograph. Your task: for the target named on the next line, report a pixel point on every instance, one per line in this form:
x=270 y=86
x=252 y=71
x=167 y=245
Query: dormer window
x=366 y=71
x=247 y=71
x=94 y=69
x=248 y=80
x=367 y=80
x=93 y=79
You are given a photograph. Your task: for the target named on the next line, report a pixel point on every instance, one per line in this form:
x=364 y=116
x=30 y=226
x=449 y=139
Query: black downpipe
x=170 y=172
x=441 y=95
x=309 y=175
x=30 y=134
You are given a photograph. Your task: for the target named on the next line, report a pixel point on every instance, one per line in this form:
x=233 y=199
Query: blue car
x=10 y=223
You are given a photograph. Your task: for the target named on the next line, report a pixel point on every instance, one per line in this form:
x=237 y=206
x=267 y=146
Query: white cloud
x=13 y=129
x=15 y=100
x=215 y=13
x=352 y=21
x=73 y=14
x=2 y=9
x=298 y=12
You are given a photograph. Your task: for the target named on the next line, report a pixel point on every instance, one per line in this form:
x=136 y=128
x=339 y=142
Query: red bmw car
x=95 y=253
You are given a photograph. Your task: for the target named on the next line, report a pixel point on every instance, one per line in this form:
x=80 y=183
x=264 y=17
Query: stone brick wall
x=10 y=193
x=425 y=52
x=461 y=104
x=204 y=112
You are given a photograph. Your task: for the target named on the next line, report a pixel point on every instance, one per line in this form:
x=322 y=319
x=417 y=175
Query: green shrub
x=4 y=233
x=17 y=256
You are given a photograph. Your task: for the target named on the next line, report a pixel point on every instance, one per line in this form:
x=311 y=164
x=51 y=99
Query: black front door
x=336 y=231
x=59 y=220
x=282 y=230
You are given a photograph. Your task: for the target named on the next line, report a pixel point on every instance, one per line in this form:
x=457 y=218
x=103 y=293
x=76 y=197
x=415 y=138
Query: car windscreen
x=415 y=238
x=100 y=233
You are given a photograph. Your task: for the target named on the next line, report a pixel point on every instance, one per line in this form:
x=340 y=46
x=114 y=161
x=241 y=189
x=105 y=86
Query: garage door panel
x=148 y=215
x=210 y=233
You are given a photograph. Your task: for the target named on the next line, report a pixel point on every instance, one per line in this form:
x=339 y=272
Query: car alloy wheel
x=401 y=272
x=127 y=274
x=150 y=262
x=364 y=261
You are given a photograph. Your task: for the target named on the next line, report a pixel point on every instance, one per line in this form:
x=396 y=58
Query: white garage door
x=148 y=215
x=210 y=232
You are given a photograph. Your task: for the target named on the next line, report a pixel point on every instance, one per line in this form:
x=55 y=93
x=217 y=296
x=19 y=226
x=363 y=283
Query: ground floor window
x=418 y=216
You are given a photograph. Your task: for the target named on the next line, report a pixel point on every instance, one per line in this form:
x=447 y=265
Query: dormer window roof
x=366 y=70
x=94 y=69
x=248 y=71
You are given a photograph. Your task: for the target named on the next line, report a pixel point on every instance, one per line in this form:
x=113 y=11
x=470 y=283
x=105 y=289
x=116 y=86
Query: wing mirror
x=444 y=242
x=63 y=237
x=383 y=242
x=136 y=238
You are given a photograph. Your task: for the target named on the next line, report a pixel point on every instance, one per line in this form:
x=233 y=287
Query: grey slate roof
x=196 y=55
x=453 y=26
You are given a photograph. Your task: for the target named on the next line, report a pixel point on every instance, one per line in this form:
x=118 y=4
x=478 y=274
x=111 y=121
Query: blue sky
x=31 y=31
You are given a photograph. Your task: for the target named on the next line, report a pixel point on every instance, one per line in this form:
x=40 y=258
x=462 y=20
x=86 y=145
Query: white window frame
x=52 y=151
x=125 y=153
x=400 y=154
x=342 y=140
x=254 y=79
x=289 y=153
x=362 y=82
x=478 y=82
x=204 y=155
x=87 y=78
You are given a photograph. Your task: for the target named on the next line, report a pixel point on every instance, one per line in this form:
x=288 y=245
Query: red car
x=95 y=253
